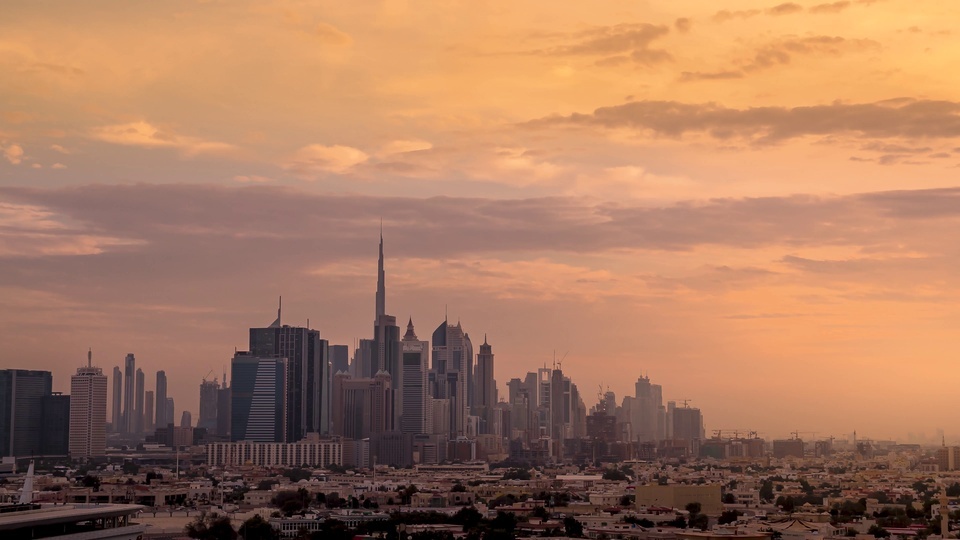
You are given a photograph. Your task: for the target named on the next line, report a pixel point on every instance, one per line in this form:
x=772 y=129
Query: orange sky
x=755 y=203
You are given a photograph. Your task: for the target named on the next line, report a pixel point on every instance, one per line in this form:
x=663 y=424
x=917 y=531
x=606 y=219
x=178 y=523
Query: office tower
x=138 y=423
x=55 y=419
x=688 y=427
x=129 y=400
x=116 y=424
x=485 y=395
x=88 y=412
x=162 y=418
x=208 y=405
x=21 y=417
x=339 y=358
x=364 y=359
x=259 y=398
x=223 y=409
x=308 y=374
x=452 y=353
x=186 y=420
x=645 y=411
x=148 y=412
x=415 y=417
x=361 y=407
x=169 y=412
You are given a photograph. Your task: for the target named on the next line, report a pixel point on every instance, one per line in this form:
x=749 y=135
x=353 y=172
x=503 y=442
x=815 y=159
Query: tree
x=207 y=527
x=766 y=490
x=129 y=467
x=729 y=516
x=458 y=488
x=878 y=531
x=505 y=521
x=729 y=499
x=290 y=502
x=467 y=516
x=91 y=481
x=572 y=527
x=615 y=475
x=295 y=475
x=256 y=528
x=517 y=474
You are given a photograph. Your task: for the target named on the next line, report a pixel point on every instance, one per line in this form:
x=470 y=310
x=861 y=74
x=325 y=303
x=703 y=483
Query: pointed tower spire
x=381 y=285
x=410 y=335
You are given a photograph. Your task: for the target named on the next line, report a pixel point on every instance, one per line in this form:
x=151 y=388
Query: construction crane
x=685 y=401
x=796 y=434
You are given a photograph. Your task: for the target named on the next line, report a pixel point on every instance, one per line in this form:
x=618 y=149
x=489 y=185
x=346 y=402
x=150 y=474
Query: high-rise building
x=148 y=412
x=485 y=395
x=88 y=412
x=169 y=411
x=116 y=424
x=186 y=420
x=259 y=398
x=339 y=358
x=21 y=414
x=308 y=374
x=208 y=405
x=386 y=343
x=688 y=427
x=138 y=423
x=223 y=409
x=415 y=416
x=162 y=418
x=55 y=437
x=362 y=407
x=129 y=400
x=452 y=354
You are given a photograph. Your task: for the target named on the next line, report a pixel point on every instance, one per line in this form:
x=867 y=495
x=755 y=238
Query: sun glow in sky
x=757 y=204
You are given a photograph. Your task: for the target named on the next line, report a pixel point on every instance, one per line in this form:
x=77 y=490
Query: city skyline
x=753 y=203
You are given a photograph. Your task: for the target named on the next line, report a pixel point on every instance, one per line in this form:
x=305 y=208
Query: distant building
x=116 y=424
x=161 y=417
x=223 y=411
x=21 y=414
x=415 y=417
x=208 y=405
x=148 y=412
x=948 y=458
x=486 y=387
x=129 y=398
x=186 y=420
x=258 y=398
x=339 y=358
x=680 y=495
x=88 y=412
x=788 y=448
x=138 y=422
x=451 y=372
x=362 y=407
x=55 y=414
x=311 y=451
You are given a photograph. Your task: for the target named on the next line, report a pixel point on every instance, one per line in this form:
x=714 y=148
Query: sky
x=754 y=203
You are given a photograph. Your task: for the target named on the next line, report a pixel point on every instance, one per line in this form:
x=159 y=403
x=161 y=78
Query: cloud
x=252 y=179
x=783 y=50
x=683 y=24
x=404 y=146
x=58 y=166
x=907 y=118
x=787 y=8
x=327 y=33
x=726 y=15
x=691 y=76
x=832 y=7
x=146 y=135
x=615 y=44
x=316 y=159
x=13 y=153
x=61 y=149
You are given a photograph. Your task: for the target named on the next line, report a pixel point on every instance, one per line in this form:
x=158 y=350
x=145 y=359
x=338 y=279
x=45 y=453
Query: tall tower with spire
x=414 y=393
x=386 y=345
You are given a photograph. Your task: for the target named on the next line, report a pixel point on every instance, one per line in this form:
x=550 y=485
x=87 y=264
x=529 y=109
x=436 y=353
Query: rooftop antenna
x=279 y=310
x=90 y=357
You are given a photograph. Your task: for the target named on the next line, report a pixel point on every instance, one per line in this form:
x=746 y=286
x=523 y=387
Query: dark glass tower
x=21 y=410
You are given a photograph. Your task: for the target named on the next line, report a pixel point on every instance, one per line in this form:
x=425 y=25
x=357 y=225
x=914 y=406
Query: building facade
x=88 y=413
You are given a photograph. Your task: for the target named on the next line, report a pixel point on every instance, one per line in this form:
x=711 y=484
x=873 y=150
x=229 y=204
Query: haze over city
x=753 y=203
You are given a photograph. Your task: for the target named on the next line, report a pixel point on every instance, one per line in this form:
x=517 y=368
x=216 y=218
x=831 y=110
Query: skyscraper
x=116 y=424
x=259 y=398
x=451 y=353
x=148 y=412
x=223 y=409
x=186 y=420
x=55 y=414
x=208 y=405
x=162 y=418
x=386 y=343
x=21 y=413
x=339 y=358
x=485 y=395
x=169 y=411
x=88 y=412
x=308 y=374
x=361 y=407
x=414 y=417
x=138 y=422
x=129 y=400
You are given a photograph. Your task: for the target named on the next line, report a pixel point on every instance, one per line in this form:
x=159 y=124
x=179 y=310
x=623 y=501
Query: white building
x=88 y=412
x=311 y=451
